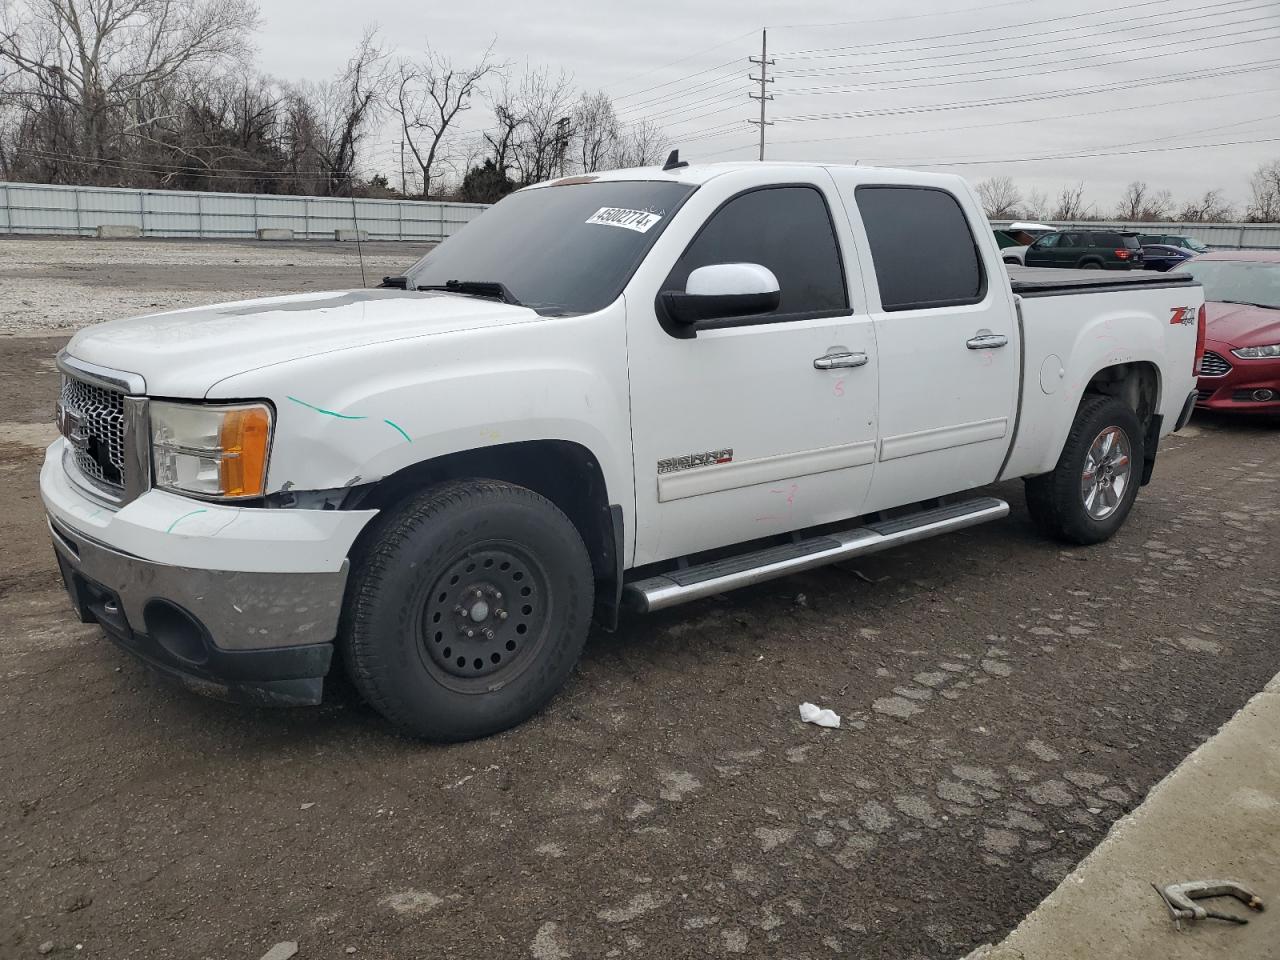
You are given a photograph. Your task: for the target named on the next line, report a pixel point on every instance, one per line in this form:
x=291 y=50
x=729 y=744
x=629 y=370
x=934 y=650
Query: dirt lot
x=1005 y=700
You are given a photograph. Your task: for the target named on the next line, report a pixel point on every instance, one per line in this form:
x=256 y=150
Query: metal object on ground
x=1181 y=899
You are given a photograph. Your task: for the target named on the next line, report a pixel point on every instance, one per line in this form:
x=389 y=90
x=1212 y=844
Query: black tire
x=1090 y=265
x=523 y=572
x=1055 y=500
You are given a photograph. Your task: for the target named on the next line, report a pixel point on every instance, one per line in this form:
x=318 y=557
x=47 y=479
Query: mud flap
x=1150 y=446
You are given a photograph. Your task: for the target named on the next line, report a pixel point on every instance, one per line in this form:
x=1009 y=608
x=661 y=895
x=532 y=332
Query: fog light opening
x=1263 y=395
x=177 y=631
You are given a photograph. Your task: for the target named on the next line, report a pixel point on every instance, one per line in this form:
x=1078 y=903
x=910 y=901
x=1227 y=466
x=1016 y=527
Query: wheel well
x=1137 y=384
x=564 y=472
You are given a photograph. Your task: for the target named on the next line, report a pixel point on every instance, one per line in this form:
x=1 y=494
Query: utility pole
x=403 y=181
x=764 y=80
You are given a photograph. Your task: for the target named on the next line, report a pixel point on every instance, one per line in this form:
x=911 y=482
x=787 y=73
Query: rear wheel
x=1090 y=264
x=1088 y=495
x=467 y=609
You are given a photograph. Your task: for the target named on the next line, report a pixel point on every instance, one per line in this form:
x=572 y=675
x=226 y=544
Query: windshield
x=1237 y=281
x=559 y=250
x=1191 y=244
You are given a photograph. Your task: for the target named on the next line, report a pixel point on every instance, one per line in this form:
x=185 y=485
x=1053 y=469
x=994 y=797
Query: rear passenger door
x=947 y=339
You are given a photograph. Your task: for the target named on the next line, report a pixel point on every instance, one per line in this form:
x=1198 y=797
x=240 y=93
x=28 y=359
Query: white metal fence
x=1236 y=236
x=31 y=208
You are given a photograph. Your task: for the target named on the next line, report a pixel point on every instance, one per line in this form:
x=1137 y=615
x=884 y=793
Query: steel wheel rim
x=484 y=618
x=1108 y=465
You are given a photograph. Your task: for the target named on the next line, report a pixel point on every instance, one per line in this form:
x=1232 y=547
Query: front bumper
x=1234 y=391
x=237 y=602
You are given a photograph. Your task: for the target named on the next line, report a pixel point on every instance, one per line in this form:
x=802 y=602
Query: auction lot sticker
x=638 y=220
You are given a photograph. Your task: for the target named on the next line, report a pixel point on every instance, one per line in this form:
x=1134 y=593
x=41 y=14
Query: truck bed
x=1053 y=281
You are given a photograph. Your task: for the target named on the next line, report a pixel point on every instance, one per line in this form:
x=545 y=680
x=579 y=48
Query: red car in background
x=1240 y=372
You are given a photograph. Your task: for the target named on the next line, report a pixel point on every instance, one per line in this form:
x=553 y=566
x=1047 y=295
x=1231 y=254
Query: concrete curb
x=1216 y=816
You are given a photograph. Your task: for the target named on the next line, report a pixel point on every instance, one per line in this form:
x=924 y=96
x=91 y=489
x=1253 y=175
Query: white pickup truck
x=628 y=389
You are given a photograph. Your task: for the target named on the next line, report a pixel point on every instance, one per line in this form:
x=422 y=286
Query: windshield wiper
x=490 y=289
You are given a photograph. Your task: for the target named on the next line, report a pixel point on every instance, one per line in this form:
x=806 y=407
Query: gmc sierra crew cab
x=614 y=391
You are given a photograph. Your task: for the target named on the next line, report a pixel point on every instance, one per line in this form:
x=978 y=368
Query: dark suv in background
x=1087 y=250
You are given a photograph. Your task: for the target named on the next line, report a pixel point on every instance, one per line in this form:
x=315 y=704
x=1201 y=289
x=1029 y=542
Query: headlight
x=1258 y=353
x=211 y=450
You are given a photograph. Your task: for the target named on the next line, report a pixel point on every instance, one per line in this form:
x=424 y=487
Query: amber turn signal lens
x=244 y=438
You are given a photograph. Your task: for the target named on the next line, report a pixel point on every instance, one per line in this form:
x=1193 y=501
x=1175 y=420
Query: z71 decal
x=691 y=460
x=1183 y=315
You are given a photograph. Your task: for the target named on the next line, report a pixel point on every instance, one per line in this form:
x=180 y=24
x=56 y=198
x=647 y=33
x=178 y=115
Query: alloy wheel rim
x=1108 y=465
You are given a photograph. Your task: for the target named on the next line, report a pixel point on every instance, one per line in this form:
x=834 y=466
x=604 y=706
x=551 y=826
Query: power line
x=1202 y=74
x=1145 y=141
x=1087 y=156
x=995 y=74
x=932 y=62
x=1005 y=123
x=908 y=16
x=734 y=77
x=735 y=62
x=645 y=73
x=984 y=30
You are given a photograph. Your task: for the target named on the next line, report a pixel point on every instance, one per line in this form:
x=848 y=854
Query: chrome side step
x=704 y=580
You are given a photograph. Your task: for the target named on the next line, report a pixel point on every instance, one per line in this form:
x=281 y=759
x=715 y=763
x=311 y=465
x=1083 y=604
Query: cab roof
x=700 y=173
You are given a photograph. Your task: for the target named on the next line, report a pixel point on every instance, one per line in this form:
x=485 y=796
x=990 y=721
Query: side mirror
x=722 y=290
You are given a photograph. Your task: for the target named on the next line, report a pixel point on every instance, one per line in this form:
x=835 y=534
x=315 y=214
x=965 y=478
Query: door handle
x=986 y=340
x=833 y=360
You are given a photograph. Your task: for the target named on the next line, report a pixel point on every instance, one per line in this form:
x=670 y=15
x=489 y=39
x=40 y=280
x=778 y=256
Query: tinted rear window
x=924 y=253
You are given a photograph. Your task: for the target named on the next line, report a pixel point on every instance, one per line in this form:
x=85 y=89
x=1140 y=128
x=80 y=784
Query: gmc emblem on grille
x=69 y=426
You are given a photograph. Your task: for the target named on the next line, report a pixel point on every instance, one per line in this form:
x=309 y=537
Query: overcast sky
x=683 y=62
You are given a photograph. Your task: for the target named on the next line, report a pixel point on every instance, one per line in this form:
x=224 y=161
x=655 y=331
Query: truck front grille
x=92 y=419
x=1214 y=365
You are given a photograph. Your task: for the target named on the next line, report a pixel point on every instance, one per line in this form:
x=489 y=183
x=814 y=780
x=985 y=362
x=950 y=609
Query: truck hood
x=1241 y=325
x=182 y=353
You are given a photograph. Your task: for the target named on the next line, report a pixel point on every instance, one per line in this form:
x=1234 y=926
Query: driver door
x=757 y=425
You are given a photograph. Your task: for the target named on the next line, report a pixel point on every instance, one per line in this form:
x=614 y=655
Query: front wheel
x=467 y=609
x=1088 y=495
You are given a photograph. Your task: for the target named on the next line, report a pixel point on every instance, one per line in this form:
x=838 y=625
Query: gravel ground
x=1005 y=700
x=59 y=284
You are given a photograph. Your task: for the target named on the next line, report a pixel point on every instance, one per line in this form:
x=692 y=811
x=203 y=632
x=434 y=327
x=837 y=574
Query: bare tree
x=344 y=109
x=1070 y=204
x=1209 y=208
x=91 y=64
x=1159 y=206
x=508 y=122
x=544 y=105
x=639 y=145
x=1135 y=195
x=430 y=93
x=595 y=130
x=1140 y=203
x=1036 y=205
x=1000 y=198
x=1264 y=186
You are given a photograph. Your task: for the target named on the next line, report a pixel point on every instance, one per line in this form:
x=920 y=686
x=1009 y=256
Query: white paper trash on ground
x=811 y=713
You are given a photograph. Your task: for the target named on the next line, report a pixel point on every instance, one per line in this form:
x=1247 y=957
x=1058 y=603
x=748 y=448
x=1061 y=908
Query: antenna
x=674 y=162
x=355 y=219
